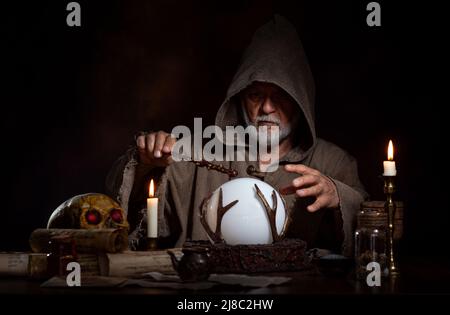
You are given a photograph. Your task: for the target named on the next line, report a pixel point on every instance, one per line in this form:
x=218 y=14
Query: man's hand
x=155 y=148
x=312 y=183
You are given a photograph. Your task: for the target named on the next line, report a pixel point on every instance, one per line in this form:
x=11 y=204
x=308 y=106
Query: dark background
x=75 y=96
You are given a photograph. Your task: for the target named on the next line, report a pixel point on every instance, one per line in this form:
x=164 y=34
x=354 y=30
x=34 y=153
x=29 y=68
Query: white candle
x=389 y=165
x=152 y=213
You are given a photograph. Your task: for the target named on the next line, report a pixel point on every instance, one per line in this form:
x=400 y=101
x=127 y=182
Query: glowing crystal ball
x=247 y=222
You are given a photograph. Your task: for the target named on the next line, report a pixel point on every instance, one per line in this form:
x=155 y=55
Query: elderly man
x=273 y=87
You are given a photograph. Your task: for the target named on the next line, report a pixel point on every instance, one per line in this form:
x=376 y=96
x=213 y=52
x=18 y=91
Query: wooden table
x=418 y=276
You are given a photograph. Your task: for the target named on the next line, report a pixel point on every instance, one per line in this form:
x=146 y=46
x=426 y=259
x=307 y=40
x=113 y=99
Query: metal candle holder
x=390 y=208
x=152 y=244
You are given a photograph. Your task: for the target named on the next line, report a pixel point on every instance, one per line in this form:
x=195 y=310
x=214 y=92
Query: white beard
x=284 y=131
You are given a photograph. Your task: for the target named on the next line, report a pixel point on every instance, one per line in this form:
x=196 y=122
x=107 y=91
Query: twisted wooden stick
x=216 y=167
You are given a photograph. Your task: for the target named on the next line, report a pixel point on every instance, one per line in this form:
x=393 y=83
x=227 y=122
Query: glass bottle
x=60 y=253
x=54 y=251
x=370 y=242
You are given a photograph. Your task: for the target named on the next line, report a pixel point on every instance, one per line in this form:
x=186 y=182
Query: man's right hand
x=155 y=148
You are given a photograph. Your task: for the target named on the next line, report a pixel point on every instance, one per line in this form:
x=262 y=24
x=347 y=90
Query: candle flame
x=390 y=151
x=151 y=190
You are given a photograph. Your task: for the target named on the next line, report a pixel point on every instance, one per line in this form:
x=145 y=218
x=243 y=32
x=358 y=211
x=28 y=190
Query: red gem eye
x=93 y=217
x=116 y=215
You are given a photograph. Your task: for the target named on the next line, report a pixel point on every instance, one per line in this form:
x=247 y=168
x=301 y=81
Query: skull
x=88 y=211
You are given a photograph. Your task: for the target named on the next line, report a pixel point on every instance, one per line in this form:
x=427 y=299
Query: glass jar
x=370 y=242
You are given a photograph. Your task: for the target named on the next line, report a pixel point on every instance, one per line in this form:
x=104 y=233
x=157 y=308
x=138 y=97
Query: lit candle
x=152 y=213
x=389 y=165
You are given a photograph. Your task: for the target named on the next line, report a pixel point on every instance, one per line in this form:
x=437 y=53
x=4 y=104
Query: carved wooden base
x=285 y=255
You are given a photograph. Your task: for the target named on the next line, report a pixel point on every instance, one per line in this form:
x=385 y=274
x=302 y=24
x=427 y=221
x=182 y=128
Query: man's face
x=268 y=105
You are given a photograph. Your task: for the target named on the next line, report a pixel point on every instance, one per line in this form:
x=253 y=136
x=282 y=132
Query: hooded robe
x=275 y=55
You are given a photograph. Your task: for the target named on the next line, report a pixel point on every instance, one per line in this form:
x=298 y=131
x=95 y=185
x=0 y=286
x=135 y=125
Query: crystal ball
x=246 y=222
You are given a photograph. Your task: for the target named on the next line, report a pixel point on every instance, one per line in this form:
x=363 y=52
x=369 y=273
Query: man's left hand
x=312 y=183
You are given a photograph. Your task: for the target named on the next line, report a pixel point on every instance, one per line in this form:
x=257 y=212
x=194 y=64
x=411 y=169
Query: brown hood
x=275 y=55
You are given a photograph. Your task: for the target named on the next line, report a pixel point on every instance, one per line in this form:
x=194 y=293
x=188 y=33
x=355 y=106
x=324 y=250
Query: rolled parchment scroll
x=86 y=241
